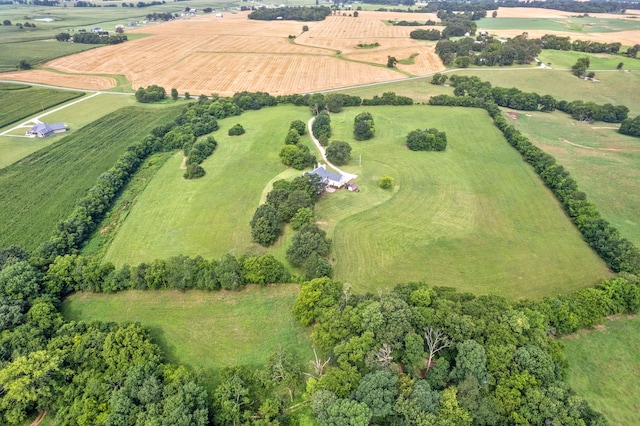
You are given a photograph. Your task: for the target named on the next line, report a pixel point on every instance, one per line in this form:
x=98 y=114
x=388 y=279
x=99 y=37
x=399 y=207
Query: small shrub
x=386 y=182
x=236 y=130
x=194 y=171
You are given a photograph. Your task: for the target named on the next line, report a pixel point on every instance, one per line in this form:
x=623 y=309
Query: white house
x=329 y=178
x=42 y=130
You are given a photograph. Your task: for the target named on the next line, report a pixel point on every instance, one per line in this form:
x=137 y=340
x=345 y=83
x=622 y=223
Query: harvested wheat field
x=207 y=54
x=88 y=82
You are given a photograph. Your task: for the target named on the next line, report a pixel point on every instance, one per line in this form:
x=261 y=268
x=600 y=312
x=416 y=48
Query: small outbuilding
x=42 y=130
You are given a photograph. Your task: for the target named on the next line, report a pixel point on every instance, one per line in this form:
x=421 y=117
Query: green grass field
x=18 y=101
x=573 y=24
x=604 y=368
x=42 y=189
x=208 y=216
x=597 y=61
x=604 y=162
x=206 y=331
x=475 y=217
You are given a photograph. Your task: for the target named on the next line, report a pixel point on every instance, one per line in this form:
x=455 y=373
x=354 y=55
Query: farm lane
x=36 y=119
x=322 y=152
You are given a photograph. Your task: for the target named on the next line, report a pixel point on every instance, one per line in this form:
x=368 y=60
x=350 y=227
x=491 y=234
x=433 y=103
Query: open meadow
x=209 y=216
x=604 y=368
x=475 y=217
x=206 y=331
x=604 y=163
x=449 y=216
x=42 y=189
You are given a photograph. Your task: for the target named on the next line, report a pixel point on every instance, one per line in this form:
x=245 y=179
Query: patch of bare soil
x=38 y=419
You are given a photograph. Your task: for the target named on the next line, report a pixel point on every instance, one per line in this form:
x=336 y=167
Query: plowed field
x=226 y=55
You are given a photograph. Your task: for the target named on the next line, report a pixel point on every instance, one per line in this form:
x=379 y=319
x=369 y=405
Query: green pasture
x=209 y=216
x=604 y=163
x=475 y=217
x=571 y=24
x=206 y=331
x=604 y=368
x=15 y=146
x=42 y=188
x=597 y=61
x=615 y=87
x=19 y=101
x=419 y=89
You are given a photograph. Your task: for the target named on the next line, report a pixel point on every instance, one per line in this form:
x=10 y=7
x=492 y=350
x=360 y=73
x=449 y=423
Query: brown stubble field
x=207 y=55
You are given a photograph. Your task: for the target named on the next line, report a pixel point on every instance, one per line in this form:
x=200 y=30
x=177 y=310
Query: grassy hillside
x=43 y=188
x=604 y=162
x=474 y=217
x=206 y=331
x=604 y=369
x=209 y=216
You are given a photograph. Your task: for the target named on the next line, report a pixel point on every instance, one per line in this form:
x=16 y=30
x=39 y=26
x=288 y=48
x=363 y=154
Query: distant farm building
x=42 y=130
x=334 y=180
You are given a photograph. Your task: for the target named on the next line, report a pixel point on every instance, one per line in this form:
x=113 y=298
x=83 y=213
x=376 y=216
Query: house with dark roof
x=329 y=178
x=42 y=130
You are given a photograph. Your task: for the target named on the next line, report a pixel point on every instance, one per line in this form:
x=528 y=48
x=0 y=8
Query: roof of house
x=47 y=128
x=326 y=175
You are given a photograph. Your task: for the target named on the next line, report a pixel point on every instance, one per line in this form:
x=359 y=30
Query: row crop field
x=20 y=101
x=206 y=331
x=475 y=217
x=42 y=189
x=577 y=25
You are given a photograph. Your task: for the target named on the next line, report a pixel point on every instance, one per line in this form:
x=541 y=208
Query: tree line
x=551 y=41
x=305 y=14
x=618 y=253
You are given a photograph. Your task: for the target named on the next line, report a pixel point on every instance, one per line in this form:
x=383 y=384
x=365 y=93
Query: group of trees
x=321 y=128
x=363 y=126
x=153 y=93
x=630 y=126
x=283 y=205
x=388 y=98
x=421 y=355
x=92 y=38
x=295 y=153
x=551 y=41
x=304 y=14
x=420 y=34
x=196 y=153
x=427 y=140
x=488 y=51
x=579 y=69
x=161 y=16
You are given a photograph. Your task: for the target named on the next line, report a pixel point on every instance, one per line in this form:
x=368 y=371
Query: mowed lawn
x=604 y=368
x=207 y=331
x=209 y=216
x=475 y=217
x=43 y=188
x=604 y=162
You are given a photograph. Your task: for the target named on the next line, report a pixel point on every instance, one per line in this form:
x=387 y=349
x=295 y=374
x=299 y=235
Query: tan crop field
x=208 y=54
x=91 y=82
